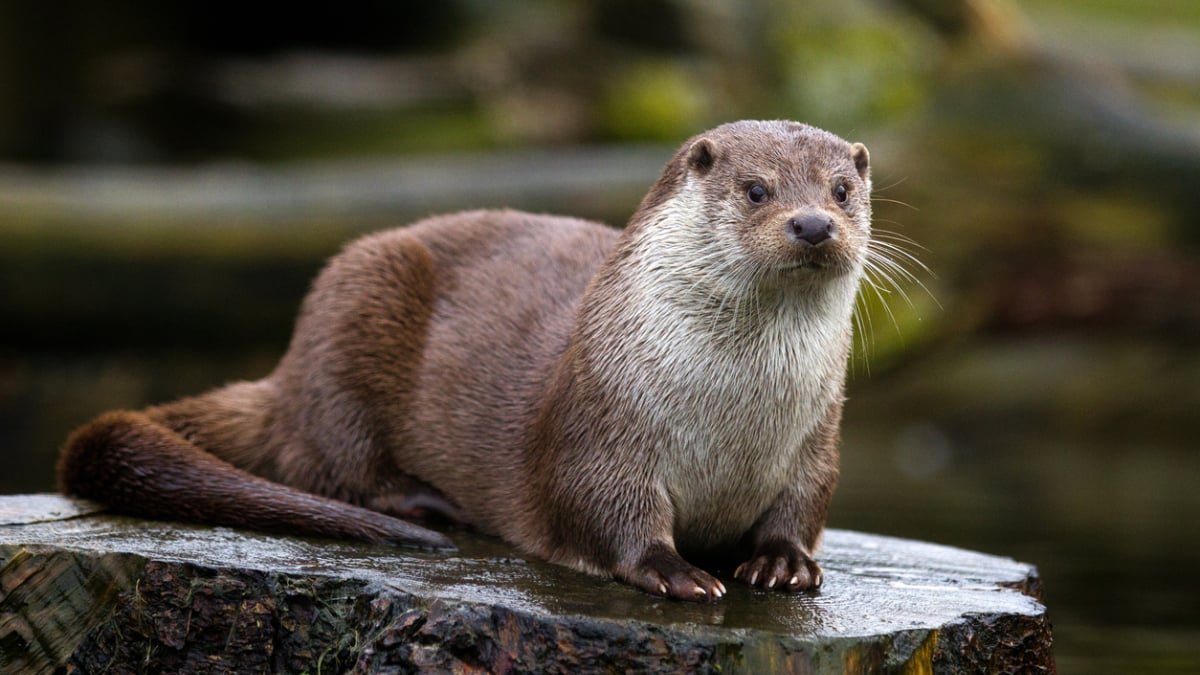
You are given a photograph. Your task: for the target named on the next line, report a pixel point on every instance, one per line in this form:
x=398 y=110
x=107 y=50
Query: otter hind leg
x=416 y=500
x=140 y=467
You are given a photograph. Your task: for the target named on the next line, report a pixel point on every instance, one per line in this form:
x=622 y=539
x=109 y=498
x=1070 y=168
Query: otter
x=604 y=399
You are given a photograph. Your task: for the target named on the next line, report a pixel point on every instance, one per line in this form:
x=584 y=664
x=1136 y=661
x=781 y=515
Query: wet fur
x=600 y=399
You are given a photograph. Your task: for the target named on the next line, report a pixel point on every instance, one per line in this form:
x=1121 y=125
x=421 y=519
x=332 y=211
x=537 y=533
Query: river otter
x=602 y=399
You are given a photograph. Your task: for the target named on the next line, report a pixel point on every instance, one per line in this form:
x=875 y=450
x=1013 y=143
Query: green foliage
x=853 y=67
x=660 y=100
x=1173 y=12
x=297 y=133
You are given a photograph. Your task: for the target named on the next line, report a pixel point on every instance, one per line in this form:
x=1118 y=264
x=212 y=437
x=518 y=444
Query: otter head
x=784 y=202
x=795 y=199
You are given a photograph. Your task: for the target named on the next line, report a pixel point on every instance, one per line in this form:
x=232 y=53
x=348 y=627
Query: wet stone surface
x=83 y=589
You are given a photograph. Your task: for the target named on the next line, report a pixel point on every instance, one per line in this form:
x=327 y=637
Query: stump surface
x=90 y=591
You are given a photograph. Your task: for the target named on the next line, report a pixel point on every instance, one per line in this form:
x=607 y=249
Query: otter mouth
x=823 y=265
x=804 y=265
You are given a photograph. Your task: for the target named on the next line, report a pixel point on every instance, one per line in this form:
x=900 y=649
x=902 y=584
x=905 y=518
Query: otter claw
x=661 y=571
x=777 y=561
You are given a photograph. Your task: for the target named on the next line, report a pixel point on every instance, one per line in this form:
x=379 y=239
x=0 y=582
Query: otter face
x=792 y=198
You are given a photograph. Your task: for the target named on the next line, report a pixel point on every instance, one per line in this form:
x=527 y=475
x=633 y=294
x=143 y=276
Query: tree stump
x=83 y=591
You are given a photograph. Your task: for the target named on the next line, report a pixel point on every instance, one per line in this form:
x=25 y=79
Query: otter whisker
x=882 y=262
x=877 y=190
x=864 y=329
x=890 y=267
x=894 y=201
x=899 y=251
x=880 y=253
x=893 y=272
x=874 y=286
x=896 y=236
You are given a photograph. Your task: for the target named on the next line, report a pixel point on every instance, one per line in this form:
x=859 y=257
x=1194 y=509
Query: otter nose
x=811 y=227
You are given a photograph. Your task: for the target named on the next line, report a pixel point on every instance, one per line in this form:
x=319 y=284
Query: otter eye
x=840 y=193
x=757 y=194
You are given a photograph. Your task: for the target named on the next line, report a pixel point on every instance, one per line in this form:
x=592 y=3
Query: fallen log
x=84 y=591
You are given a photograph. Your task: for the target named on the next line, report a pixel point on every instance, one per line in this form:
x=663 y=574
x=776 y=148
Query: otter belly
x=722 y=484
x=735 y=430
x=732 y=418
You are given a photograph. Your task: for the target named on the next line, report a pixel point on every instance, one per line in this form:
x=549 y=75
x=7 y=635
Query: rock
x=83 y=591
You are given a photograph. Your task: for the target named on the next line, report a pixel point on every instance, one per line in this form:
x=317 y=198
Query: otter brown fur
x=602 y=399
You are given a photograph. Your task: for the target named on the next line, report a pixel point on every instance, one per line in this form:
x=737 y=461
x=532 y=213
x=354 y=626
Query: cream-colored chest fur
x=732 y=415
x=729 y=394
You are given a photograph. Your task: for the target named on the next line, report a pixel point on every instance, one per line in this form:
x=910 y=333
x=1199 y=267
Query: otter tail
x=140 y=467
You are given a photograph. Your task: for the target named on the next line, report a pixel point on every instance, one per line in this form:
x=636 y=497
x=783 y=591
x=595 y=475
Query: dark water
x=1068 y=452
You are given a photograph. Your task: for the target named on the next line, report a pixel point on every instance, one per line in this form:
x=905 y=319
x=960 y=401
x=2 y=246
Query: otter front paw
x=661 y=571
x=782 y=565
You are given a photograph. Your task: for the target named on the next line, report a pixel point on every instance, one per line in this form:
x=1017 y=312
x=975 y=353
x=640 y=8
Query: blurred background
x=172 y=175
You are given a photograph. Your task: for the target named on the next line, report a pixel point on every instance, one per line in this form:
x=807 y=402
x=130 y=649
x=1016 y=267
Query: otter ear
x=701 y=156
x=862 y=160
